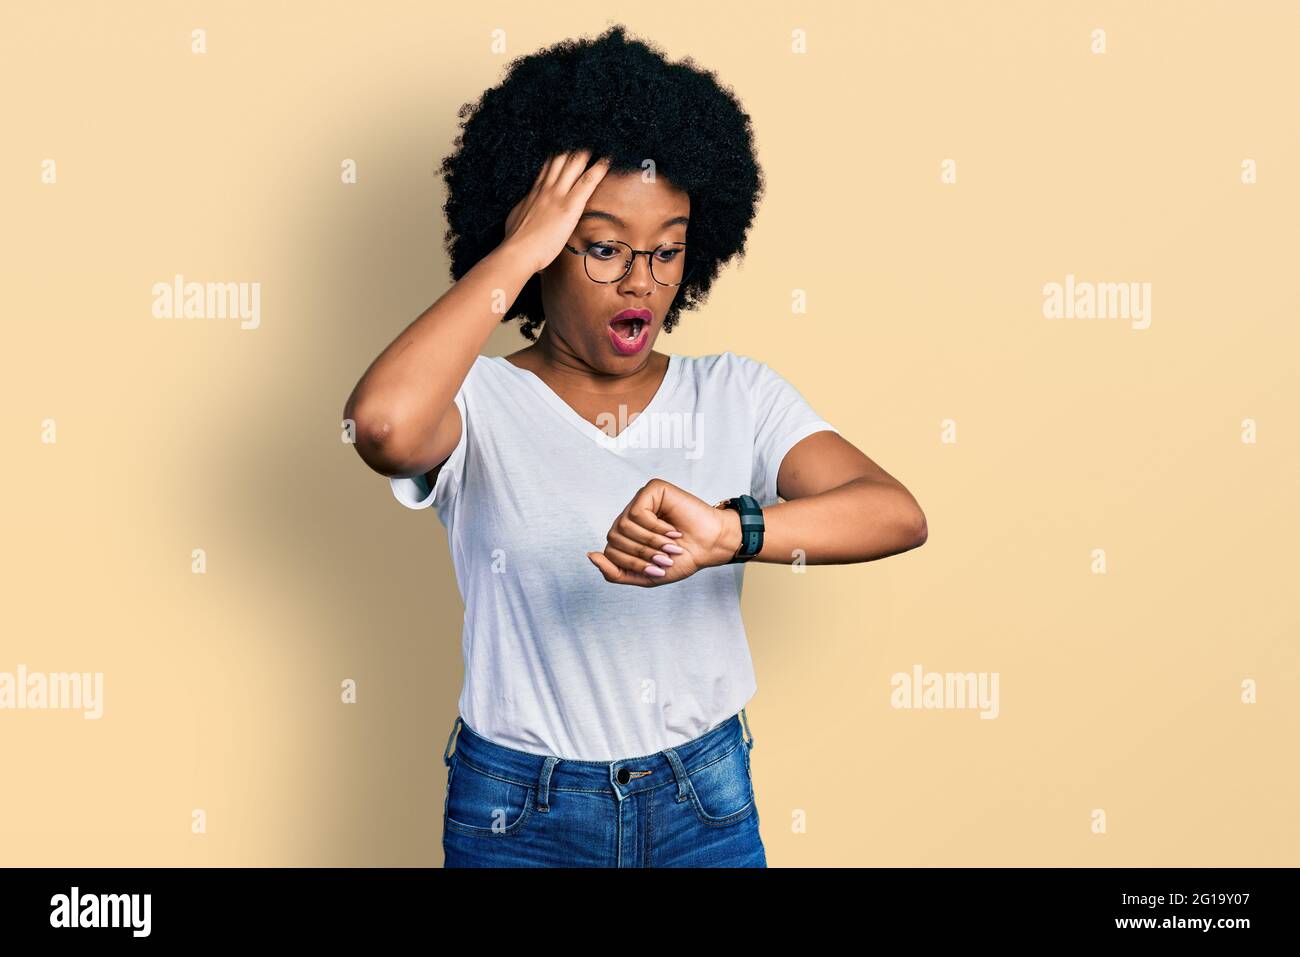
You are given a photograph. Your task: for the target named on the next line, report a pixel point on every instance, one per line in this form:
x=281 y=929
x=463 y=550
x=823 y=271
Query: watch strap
x=751 y=526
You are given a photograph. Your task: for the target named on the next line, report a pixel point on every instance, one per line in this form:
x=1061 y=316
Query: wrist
x=520 y=257
x=730 y=540
x=734 y=537
x=750 y=525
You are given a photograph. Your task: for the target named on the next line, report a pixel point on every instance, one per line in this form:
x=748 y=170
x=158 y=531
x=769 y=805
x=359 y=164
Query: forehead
x=636 y=202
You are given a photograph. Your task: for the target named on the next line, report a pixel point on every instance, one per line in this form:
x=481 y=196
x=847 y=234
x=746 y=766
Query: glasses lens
x=607 y=261
x=668 y=263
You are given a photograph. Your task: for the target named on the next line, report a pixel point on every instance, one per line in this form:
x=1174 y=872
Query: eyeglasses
x=611 y=260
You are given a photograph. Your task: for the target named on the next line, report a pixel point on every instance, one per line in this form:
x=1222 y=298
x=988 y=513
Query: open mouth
x=628 y=329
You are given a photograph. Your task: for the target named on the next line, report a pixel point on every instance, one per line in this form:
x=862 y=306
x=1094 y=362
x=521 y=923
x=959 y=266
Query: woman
x=594 y=490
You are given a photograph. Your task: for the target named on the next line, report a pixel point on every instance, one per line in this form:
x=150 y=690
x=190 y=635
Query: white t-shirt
x=559 y=661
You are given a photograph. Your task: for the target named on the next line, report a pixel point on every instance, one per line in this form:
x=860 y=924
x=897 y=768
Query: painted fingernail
x=661 y=559
x=674 y=549
x=655 y=570
x=673 y=534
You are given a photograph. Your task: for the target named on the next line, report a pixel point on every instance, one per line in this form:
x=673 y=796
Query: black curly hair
x=623 y=100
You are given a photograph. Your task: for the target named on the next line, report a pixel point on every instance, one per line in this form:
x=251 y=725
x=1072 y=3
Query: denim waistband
x=624 y=776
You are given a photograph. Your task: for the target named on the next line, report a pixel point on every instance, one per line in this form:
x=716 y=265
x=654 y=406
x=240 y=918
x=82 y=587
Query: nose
x=638 y=277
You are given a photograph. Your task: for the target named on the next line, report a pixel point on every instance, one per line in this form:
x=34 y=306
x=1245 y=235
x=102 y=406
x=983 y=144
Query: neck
x=552 y=354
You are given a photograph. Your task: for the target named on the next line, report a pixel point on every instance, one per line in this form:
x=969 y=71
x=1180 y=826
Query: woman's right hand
x=541 y=223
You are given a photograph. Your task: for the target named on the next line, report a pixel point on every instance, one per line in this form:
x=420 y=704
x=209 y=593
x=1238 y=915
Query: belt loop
x=544 y=784
x=679 y=771
x=446 y=754
x=744 y=720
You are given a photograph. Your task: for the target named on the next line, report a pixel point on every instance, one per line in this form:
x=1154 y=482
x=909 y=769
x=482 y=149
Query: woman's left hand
x=665 y=520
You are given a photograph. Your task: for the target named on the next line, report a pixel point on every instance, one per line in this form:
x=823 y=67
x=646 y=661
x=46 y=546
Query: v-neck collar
x=615 y=443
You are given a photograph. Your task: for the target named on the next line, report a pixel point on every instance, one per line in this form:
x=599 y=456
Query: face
x=579 y=312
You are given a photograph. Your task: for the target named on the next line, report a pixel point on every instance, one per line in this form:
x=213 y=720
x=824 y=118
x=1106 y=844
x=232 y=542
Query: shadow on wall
x=367 y=584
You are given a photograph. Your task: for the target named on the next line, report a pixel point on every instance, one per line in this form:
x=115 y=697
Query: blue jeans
x=688 y=806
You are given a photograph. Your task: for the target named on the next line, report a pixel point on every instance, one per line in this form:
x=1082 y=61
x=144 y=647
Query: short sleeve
x=414 y=492
x=782 y=419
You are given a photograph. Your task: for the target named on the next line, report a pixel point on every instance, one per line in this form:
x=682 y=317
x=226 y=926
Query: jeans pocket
x=483 y=805
x=722 y=792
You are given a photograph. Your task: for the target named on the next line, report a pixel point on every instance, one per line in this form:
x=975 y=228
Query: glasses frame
x=631 y=260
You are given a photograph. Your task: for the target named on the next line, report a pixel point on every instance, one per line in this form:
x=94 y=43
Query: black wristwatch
x=751 y=526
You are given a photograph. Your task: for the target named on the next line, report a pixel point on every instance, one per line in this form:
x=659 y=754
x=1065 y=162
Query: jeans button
x=623 y=776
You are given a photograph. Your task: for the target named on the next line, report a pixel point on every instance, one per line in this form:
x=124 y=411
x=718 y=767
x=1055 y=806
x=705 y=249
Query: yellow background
x=1118 y=692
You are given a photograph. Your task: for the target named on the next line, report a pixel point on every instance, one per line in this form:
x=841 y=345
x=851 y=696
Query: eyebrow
x=601 y=214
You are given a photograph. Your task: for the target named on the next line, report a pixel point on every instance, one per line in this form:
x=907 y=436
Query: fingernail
x=655 y=570
x=673 y=534
x=674 y=549
x=661 y=559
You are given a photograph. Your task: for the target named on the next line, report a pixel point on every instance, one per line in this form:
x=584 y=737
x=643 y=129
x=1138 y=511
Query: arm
x=406 y=421
x=840 y=508
x=404 y=406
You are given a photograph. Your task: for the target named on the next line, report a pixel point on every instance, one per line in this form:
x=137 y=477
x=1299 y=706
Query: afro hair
x=621 y=99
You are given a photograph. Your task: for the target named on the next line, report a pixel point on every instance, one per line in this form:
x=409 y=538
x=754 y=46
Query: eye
x=668 y=255
x=602 y=251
